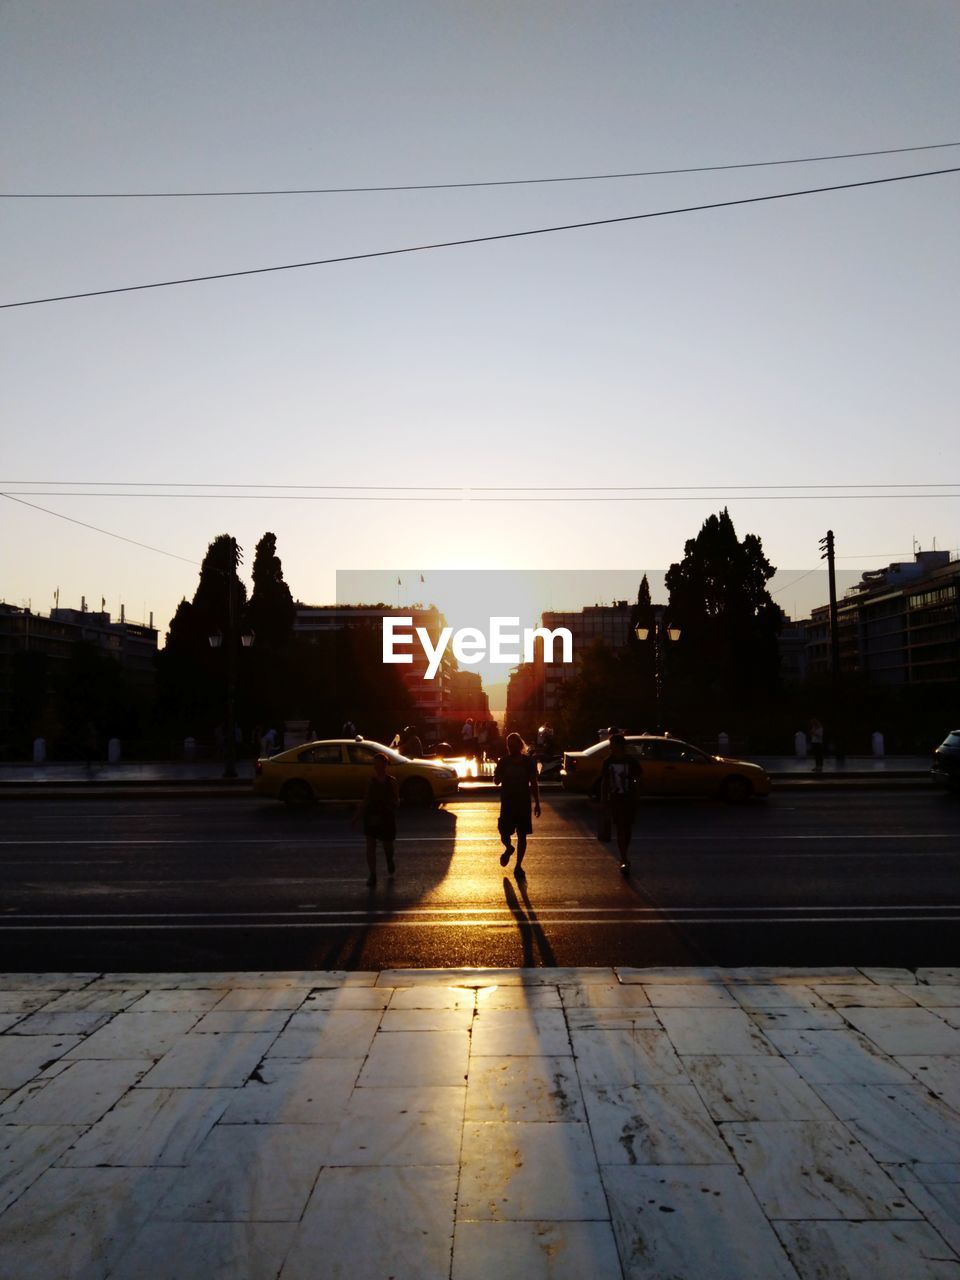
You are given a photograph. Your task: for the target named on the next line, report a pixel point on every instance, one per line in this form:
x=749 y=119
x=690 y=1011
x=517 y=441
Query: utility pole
x=827 y=553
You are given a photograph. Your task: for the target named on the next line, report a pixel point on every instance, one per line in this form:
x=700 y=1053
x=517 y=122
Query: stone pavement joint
x=707 y=1123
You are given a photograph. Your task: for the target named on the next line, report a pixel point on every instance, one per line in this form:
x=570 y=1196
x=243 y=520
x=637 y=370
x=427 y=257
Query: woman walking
x=378 y=811
x=516 y=776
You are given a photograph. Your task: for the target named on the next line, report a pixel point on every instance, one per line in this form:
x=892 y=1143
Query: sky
x=708 y=357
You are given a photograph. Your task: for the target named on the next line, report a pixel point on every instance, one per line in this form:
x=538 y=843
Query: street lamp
x=657 y=633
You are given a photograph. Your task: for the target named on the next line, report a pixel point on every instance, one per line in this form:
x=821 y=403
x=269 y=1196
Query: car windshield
x=952 y=739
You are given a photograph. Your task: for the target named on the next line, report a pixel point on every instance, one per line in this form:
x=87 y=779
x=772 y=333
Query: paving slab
x=802 y=1018
x=619 y=1057
x=714 y=1031
x=896 y=1122
x=913 y=1030
x=689 y=995
x=400 y=1126
x=535 y=1251
x=75 y=1224
x=27 y=1151
x=22 y=1057
x=867 y=1251
x=414 y=1058
x=362 y=1224
x=295 y=1091
x=209 y=1062
x=524 y=1088
x=938 y=1073
x=686 y=1221
x=150 y=1128
x=812 y=1170
x=863 y=996
x=135 y=1035
x=939 y=1202
x=327 y=1033
x=837 y=1057
x=80 y=1094
x=92 y=998
x=248 y=1173
x=522 y=1171
x=206 y=1251
x=508 y=1032
x=653 y=1124
x=744 y=1088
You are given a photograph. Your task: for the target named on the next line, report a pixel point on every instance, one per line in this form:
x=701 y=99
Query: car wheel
x=417 y=792
x=296 y=794
x=736 y=790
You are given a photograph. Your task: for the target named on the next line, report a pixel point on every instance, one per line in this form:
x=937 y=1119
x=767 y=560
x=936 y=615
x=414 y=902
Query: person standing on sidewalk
x=378 y=811
x=619 y=785
x=516 y=776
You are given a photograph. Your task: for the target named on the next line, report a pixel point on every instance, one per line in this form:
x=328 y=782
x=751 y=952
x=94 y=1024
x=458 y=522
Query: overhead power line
x=504 y=235
x=469 y=496
x=478 y=488
x=459 y=186
x=108 y=532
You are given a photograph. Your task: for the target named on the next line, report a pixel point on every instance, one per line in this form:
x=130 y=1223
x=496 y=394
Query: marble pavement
x=558 y=1123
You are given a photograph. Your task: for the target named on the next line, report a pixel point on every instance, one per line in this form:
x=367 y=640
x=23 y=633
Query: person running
x=378 y=811
x=619 y=784
x=516 y=776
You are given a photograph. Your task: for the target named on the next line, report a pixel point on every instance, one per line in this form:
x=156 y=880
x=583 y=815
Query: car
x=946 y=762
x=340 y=768
x=670 y=768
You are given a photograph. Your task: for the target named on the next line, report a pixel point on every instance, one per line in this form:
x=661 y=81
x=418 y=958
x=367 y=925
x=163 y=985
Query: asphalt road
x=863 y=877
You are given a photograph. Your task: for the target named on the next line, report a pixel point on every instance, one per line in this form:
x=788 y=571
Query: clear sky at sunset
x=806 y=342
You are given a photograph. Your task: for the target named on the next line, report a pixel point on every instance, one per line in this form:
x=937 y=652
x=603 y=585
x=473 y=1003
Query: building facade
x=435 y=699
x=899 y=625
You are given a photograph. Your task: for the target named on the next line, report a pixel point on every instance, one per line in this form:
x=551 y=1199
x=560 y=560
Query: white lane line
x=492 y=840
x=467 y=923
x=392 y=913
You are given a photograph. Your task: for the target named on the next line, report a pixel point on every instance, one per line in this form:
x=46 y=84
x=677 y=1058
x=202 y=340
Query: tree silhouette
x=191 y=676
x=271 y=612
x=727 y=658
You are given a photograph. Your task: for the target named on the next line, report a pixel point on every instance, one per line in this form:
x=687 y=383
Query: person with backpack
x=619 y=786
x=516 y=776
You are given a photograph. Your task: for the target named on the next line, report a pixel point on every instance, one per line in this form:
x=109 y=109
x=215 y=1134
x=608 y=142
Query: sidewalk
x=570 y=1124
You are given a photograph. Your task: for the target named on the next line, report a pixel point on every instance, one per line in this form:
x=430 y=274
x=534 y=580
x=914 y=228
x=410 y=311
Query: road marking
x=464 y=924
x=482 y=919
x=471 y=911
x=536 y=839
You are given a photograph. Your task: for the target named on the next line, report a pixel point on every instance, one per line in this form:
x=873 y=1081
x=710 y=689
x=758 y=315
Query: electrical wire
x=459 y=186
x=474 y=488
x=452 y=244
x=467 y=496
x=108 y=532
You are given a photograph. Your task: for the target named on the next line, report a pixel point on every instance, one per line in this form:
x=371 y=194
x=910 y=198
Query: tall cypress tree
x=271 y=612
x=727 y=657
x=191 y=676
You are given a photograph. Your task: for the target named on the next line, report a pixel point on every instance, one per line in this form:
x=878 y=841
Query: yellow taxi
x=670 y=767
x=340 y=768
